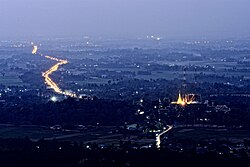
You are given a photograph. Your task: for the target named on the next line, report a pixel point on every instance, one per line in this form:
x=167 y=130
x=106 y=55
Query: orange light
x=184 y=100
x=48 y=81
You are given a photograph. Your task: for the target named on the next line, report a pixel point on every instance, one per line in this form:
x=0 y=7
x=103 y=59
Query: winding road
x=48 y=81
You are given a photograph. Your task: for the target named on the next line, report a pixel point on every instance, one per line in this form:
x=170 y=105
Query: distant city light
x=35 y=48
x=53 y=98
x=141 y=112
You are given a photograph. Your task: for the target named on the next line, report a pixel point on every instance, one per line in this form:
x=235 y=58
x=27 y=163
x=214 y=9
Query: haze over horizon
x=125 y=18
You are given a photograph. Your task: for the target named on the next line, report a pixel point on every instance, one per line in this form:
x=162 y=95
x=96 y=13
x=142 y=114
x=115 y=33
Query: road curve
x=158 y=136
x=48 y=81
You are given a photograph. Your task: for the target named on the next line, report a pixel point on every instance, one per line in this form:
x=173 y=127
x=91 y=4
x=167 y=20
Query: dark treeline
x=71 y=112
x=68 y=113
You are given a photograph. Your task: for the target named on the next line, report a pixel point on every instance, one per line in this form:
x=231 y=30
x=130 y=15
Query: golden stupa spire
x=183 y=100
x=179 y=101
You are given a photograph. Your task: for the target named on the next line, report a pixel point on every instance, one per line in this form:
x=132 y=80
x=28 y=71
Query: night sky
x=125 y=18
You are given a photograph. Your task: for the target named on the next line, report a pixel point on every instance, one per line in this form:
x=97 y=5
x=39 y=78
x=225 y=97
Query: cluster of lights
x=154 y=37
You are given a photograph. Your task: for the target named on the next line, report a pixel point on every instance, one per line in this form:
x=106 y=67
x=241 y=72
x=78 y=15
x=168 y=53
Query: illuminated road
x=48 y=81
x=158 y=136
x=34 y=51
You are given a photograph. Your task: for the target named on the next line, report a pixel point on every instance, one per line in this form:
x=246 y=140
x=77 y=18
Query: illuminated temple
x=185 y=100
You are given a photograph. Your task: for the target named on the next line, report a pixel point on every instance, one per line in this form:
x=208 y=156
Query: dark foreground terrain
x=23 y=152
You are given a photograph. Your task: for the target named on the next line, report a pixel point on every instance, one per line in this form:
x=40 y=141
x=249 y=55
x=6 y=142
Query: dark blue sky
x=125 y=18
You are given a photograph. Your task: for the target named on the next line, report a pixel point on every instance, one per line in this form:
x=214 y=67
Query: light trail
x=35 y=48
x=158 y=136
x=48 y=81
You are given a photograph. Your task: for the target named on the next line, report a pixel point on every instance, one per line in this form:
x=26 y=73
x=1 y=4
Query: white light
x=53 y=98
x=141 y=112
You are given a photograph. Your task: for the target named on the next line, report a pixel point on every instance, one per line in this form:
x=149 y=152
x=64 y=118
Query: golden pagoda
x=184 y=100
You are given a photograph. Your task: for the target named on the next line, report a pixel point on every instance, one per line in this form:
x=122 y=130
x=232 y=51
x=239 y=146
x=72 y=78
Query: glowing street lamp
x=53 y=98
